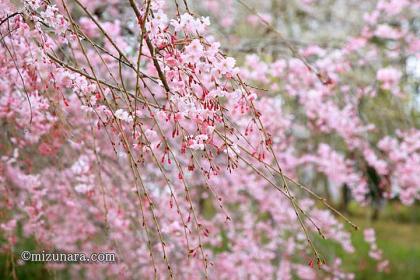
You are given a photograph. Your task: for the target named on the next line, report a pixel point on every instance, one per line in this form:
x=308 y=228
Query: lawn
x=398 y=235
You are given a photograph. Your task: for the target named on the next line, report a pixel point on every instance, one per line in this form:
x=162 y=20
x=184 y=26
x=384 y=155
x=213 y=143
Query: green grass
x=397 y=235
x=30 y=270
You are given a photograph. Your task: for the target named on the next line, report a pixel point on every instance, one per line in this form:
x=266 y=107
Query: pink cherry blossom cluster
x=389 y=77
x=374 y=252
x=403 y=154
x=178 y=123
x=127 y=129
x=330 y=100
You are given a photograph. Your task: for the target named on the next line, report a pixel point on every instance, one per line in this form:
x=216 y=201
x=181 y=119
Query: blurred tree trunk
x=375 y=214
x=275 y=12
x=327 y=193
x=345 y=198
